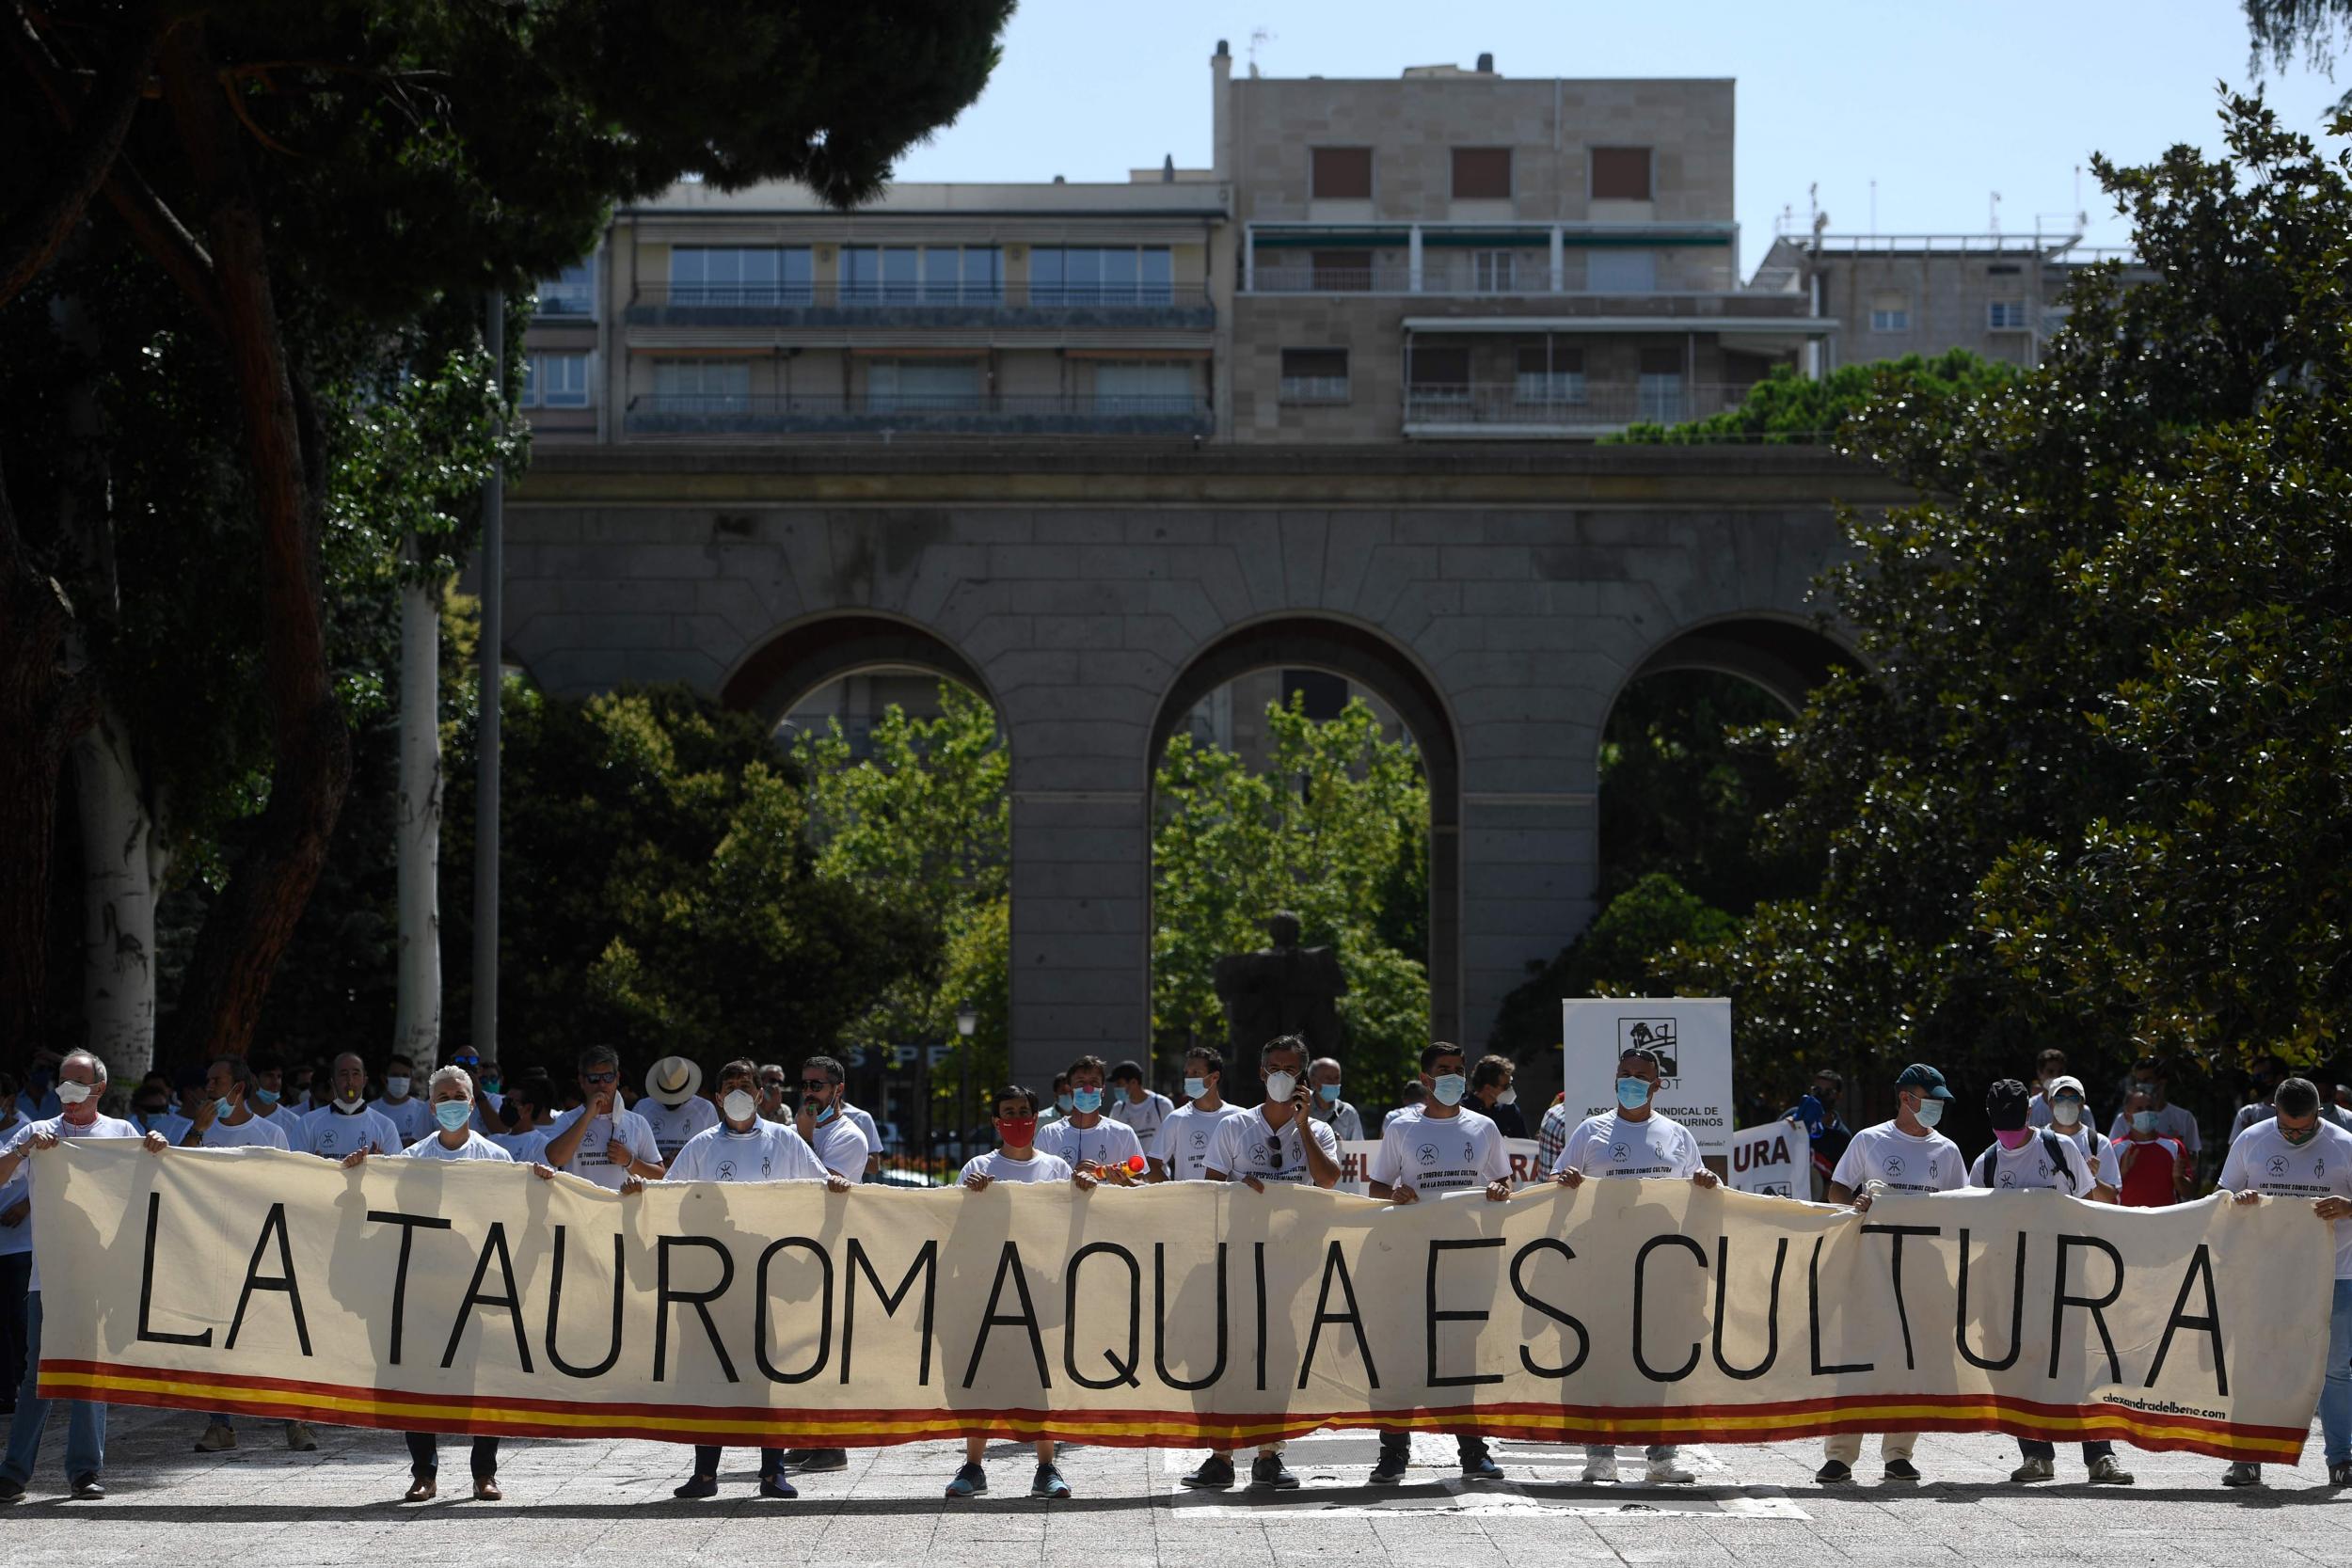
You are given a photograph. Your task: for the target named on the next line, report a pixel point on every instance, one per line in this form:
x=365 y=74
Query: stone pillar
x=1412 y=259
x=1081 y=928
x=1559 y=261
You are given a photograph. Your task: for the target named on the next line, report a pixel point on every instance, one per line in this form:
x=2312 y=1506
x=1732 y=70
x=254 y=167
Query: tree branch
x=31 y=238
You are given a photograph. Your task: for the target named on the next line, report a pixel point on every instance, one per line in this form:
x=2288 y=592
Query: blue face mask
x=452 y=1113
x=1196 y=1087
x=1328 y=1093
x=1062 y=1103
x=266 y=1098
x=223 y=1109
x=1086 y=1101
x=1448 y=1087
x=1632 y=1093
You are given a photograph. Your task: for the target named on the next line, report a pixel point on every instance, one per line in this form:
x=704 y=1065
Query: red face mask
x=1017 y=1132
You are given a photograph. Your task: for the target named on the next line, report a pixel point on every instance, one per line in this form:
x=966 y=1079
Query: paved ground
x=609 y=1503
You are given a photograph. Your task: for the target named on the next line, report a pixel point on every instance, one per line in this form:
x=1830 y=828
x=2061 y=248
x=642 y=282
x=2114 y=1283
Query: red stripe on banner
x=739 y=1425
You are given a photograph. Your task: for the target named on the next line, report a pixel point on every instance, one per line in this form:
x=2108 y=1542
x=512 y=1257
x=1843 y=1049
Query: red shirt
x=2148 y=1181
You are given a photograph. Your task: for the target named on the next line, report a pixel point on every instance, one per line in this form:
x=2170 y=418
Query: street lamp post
x=967 y=1020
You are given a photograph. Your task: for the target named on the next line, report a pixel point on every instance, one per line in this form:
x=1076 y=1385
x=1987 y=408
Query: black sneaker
x=1215 y=1474
x=971 y=1480
x=11 y=1491
x=1048 y=1483
x=1390 y=1469
x=1267 y=1473
x=816 y=1461
x=2340 y=1473
x=1901 y=1469
x=88 y=1487
x=1481 y=1468
x=698 y=1486
x=1835 y=1473
x=794 y=1457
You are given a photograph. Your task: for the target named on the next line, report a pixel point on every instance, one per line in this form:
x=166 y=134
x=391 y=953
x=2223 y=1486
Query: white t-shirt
x=1105 y=1143
x=1439 y=1154
x=527 y=1148
x=769 y=1152
x=476 y=1146
x=999 y=1166
x=2262 y=1161
x=1907 y=1165
x=864 y=1125
x=20 y=1135
x=673 y=1125
x=253 y=1132
x=331 y=1134
x=1145 y=1119
x=1244 y=1145
x=2038 y=1111
x=2173 y=1122
x=840 y=1143
x=592 y=1159
x=174 y=1128
x=2107 y=1167
x=2002 y=1170
x=1186 y=1138
x=412 y=1115
x=1608 y=1145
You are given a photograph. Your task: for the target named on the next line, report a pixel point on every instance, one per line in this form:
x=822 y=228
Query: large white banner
x=476 y=1297
x=1691 y=1036
x=1774 y=1159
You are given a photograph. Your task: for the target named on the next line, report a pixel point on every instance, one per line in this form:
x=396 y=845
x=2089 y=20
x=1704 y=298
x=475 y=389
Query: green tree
x=2090 y=792
x=1321 y=833
x=1787 y=407
x=309 y=175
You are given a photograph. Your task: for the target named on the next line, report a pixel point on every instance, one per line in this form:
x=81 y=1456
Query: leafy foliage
x=1787 y=407
x=1321 y=833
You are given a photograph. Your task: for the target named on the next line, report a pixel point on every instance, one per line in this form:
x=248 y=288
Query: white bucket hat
x=674 y=1079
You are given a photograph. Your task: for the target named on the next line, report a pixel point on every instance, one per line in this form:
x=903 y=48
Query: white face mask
x=1281 y=1086
x=71 y=1092
x=739 y=1105
x=2066 y=1113
x=1508 y=1097
x=395 y=1088
x=1930 y=1112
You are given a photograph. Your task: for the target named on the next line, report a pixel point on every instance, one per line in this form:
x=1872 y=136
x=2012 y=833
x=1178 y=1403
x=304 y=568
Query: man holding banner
x=1633 y=1141
x=1439 y=1148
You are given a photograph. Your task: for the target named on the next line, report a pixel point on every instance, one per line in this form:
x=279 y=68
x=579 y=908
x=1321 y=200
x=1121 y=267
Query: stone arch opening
x=803 y=658
x=1785 y=658
x=1364 y=658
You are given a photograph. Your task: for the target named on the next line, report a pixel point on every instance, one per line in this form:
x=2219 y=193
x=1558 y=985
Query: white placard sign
x=1356 y=1163
x=1691 y=1036
x=1776 y=1158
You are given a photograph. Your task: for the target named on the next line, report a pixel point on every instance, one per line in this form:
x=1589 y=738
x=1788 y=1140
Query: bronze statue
x=1281 y=990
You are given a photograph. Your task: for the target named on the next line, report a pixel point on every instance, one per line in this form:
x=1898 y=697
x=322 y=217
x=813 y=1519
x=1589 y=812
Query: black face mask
x=2300 y=1135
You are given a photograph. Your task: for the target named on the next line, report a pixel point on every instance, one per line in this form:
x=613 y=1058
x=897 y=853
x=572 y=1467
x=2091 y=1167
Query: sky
x=1940 y=105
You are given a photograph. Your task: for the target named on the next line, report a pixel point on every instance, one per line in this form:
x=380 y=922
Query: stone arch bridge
x=1498 y=598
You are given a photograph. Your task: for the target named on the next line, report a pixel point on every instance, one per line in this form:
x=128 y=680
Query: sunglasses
x=600 y=1077
x=771 y=1083
x=1274 y=1148
x=815 y=1086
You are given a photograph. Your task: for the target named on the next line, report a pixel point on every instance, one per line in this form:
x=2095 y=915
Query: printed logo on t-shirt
x=1621 y=1153
x=1199 y=1140
x=2278 y=1164
x=1895 y=1165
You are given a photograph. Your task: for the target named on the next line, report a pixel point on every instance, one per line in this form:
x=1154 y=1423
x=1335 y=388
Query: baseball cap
x=1918 y=1075
x=2005 y=1105
x=2060 y=1084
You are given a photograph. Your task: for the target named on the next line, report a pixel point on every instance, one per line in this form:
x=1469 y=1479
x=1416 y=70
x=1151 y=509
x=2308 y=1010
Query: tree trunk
x=416 y=1025
x=251 y=924
x=122 y=868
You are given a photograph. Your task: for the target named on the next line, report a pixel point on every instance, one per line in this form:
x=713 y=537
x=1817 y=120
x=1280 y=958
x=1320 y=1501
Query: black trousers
x=706 y=1460
x=16 y=1275
x=425 y=1454
x=1472 y=1446
x=2032 y=1450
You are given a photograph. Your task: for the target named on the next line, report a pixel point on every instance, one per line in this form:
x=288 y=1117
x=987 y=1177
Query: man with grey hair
x=347 y=1121
x=81 y=1081
x=601 y=1141
x=1347 y=1123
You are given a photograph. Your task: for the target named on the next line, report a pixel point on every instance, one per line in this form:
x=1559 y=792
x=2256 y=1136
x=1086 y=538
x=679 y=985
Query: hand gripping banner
x=473 y=1297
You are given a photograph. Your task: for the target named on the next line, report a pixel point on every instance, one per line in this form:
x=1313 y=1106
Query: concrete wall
x=1523 y=585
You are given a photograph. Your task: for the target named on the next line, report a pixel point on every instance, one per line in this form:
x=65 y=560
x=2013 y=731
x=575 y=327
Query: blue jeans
x=2335 y=1395
x=85 y=1421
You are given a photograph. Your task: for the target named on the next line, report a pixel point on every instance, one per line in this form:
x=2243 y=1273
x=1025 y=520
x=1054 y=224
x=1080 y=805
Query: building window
x=1342 y=271
x=879 y=274
x=1315 y=375
x=1481 y=174
x=1492 y=272
x=1438 y=374
x=1143 y=386
x=571 y=291
x=1610 y=271
x=702 y=386
x=1621 y=174
x=923 y=386
x=556 y=381
x=1658 y=396
x=1890 y=312
x=1550 y=372
x=1101 y=274
x=721 y=274
x=1341 y=174
x=963 y=274
x=2005 y=315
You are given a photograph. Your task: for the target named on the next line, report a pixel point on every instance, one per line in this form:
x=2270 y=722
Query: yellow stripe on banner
x=1889 y=1415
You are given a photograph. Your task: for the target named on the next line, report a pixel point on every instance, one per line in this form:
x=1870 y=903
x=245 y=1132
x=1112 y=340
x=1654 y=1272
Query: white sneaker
x=1665 y=1472
x=1598 y=1469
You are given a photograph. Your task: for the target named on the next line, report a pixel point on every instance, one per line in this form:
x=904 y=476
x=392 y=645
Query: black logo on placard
x=1657 y=1036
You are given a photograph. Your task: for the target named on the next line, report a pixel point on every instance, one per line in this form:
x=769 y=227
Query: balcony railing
x=567 y=299
x=828 y=303
x=1562 y=405
x=916 y=414
x=1461 y=278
